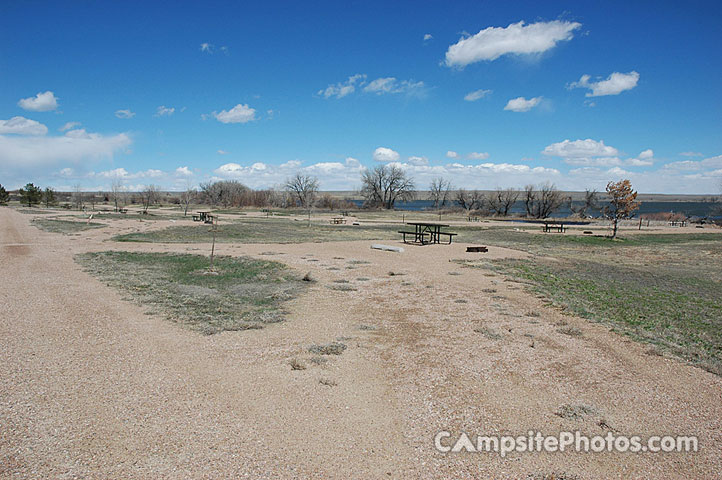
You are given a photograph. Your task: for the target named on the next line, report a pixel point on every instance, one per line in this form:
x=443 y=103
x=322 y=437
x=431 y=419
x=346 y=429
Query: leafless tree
x=384 y=185
x=117 y=194
x=226 y=193
x=440 y=192
x=500 y=201
x=542 y=201
x=469 y=200
x=187 y=196
x=590 y=202
x=303 y=189
x=149 y=196
x=78 y=197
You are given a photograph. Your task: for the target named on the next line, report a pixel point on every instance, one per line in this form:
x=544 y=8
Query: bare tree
x=469 y=200
x=187 y=196
x=226 y=193
x=384 y=185
x=303 y=189
x=117 y=194
x=78 y=197
x=500 y=201
x=149 y=196
x=543 y=201
x=590 y=202
x=440 y=192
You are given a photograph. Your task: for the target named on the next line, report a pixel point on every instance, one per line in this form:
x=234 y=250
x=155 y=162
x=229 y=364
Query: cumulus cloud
x=183 y=171
x=476 y=95
x=164 y=111
x=614 y=84
x=69 y=126
x=124 y=114
x=383 y=154
x=516 y=39
x=478 y=156
x=592 y=153
x=427 y=37
x=22 y=126
x=75 y=146
x=451 y=154
x=418 y=161
x=583 y=152
x=42 y=102
x=239 y=114
x=342 y=89
x=521 y=104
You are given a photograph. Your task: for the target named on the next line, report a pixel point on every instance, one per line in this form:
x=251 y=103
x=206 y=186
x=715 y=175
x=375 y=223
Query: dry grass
x=333 y=348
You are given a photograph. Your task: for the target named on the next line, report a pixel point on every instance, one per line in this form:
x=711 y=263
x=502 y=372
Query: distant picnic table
x=204 y=217
x=554 y=227
x=338 y=220
x=677 y=223
x=422 y=230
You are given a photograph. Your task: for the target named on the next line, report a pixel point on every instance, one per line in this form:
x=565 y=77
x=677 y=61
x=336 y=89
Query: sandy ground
x=92 y=387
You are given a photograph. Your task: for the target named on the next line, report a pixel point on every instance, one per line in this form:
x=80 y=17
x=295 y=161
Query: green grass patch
x=678 y=310
x=264 y=230
x=64 y=226
x=243 y=294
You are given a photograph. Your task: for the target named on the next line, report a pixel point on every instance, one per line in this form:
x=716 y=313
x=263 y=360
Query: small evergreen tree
x=30 y=194
x=4 y=196
x=49 y=197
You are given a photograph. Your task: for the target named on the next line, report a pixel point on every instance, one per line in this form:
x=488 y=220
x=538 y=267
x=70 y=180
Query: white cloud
x=451 y=154
x=238 y=114
x=183 y=171
x=42 y=102
x=646 y=154
x=69 y=126
x=124 y=114
x=478 y=156
x=384 y=85
x=22 y=126
x=75 y=146
x=517 y=39
x=614 y=84
x=164 y=111
x=341 y=89
x=521 y=104
x=383 y=154
x=222 y=152
x=379 y=86
x=427 y=37
x=418 y=161
x=691 y=154
x=476 y=95
x=580 y=149
x=206 y=47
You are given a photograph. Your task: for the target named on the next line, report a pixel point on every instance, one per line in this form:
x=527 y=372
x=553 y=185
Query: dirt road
x=92 y=387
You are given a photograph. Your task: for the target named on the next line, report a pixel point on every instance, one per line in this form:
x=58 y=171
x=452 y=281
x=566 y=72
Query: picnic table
x=338 y=220
x=554 y=226
x=430 y=230
x=677 y=223
x=204 y=217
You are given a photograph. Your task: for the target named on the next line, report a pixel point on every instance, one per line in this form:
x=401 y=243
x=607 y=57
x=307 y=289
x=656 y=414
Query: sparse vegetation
x=64 y=226
x=243 y=294
x=333 y=348
x=575 y=412
x=262 y=230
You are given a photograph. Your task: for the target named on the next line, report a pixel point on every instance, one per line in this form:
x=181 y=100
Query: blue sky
x=485 y=94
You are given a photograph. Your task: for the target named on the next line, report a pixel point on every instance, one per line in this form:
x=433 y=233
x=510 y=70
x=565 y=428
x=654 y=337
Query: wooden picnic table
x=554 y=226
x=204 y=217
x=424 y=229
x=338 y=220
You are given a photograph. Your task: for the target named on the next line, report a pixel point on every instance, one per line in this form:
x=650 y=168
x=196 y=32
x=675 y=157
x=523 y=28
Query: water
x=690 y=209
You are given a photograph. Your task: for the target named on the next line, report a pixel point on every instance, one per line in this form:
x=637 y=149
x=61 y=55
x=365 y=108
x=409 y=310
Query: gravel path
x=91 y=387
